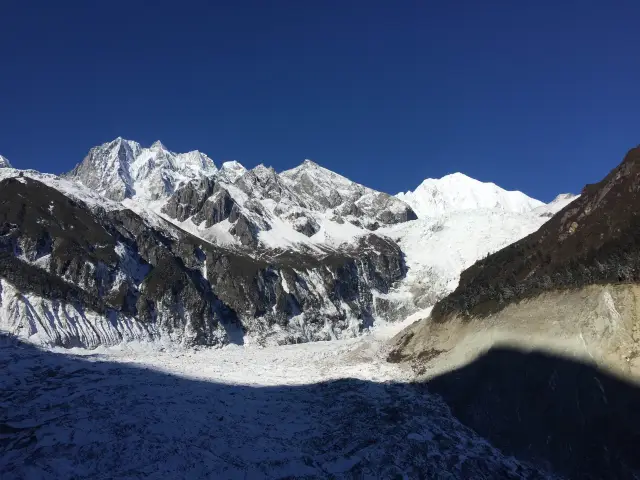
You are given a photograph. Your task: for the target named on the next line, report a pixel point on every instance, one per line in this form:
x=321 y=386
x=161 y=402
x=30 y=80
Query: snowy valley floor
x=318 y=410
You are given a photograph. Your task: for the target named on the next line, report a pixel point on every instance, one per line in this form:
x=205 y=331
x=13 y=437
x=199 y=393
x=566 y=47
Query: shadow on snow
x=65 y=416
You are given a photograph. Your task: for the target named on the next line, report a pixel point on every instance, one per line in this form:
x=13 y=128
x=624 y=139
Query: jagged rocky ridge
x=306 y=205
x=124 y=169
x=593 y=240
x=169 y=247
x=286 y=208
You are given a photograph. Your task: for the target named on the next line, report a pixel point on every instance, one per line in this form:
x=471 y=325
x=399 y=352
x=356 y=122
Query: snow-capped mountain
x=304 y=207
x=78 y=269
x=308 y=207
x=438 y=249
x=142 y=243
x=4 y=162
x=454 y=192
x=124 y=169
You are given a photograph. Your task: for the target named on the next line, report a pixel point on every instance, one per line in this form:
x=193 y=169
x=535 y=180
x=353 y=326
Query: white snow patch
x=438 y=249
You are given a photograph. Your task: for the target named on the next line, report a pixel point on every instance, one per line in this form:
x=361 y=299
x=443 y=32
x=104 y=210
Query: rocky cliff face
x=307 y=207
x=124 y=169
x=76 y=274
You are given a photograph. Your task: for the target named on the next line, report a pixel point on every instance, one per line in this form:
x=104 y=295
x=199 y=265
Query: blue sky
x=536 y=96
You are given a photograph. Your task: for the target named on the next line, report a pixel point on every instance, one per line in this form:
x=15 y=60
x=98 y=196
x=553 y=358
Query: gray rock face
x=189 y=200
x=216 y=208
x=302 y=200
x=166 y=283
x=324 y=189
x=112 y=158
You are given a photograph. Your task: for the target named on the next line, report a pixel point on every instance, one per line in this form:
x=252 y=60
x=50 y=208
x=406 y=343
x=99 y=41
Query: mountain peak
x=263 y=168
x=233 y=165
x=458 y=176
x=4 y=162
x=456 y=191
x=157 y=145
x=118 y=143
x=123 y=169
x=318 y=172
x=455 y=178
x=194 y=160
x=232 y=170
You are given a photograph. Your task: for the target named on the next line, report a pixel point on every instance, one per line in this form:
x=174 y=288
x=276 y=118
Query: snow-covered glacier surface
x=322 y=410
x=438 y=249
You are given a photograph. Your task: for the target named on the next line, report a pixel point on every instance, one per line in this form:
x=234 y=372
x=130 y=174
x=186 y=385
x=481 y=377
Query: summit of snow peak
x=232 y=165
x=4 y=162
x=157 y=145
x=457 y=191
x=232 y=170
x=119 y=142
x=124 y=169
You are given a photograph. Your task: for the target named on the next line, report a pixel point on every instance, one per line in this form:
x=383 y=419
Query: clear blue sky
x=537 y=96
